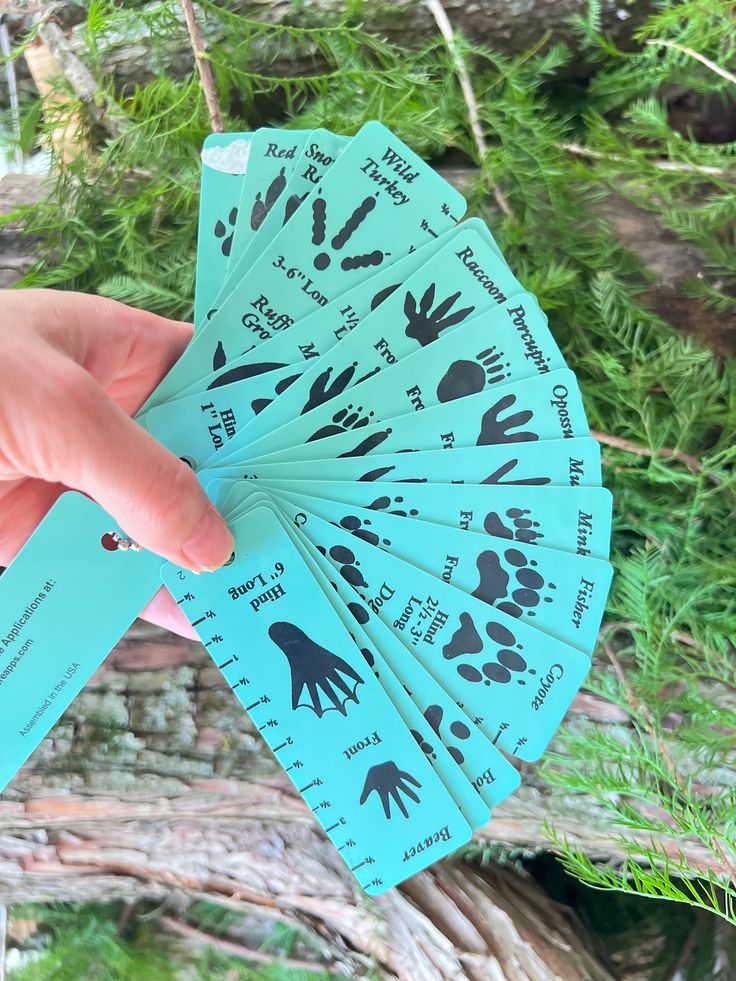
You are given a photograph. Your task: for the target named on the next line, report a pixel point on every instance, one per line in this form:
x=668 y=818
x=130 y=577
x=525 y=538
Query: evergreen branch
x=466 y=87
x=669 y=165
x=617 y=442
x=203 y=66
x=711 y=65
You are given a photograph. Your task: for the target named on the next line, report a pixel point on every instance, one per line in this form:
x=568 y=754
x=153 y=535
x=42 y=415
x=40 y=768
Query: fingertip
x=210 y=545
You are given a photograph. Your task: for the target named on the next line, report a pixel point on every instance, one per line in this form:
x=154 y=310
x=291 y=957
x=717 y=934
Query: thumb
x=88 y=443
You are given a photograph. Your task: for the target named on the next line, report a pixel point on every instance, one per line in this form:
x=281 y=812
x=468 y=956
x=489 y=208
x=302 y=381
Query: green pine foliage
x=122 y=222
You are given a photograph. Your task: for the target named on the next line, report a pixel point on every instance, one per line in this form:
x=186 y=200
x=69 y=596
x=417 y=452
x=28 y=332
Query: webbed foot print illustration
x=424 y=325
x=367 y=445
x=495 y=430
x=330 y=682
x=520 y=528
x=465 y=377
x=344 y=420
x=465 y=640
x=262 y=207
x=530 y=586
x=345 y=558
x=506 y=468
x=258 y=405
x=243 y=371
x=459 y=730
x=360 y=528
x=338 y=242
x=387 y=504
x=389 y=783
x=221 y=231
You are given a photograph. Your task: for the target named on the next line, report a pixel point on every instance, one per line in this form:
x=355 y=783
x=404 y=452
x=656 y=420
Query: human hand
x=73 y=369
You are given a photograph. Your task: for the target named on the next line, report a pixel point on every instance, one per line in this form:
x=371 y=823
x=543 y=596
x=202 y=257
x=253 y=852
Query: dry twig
x=203 y=66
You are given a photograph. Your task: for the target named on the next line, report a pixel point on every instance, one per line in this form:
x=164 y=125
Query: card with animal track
x=576 y=520
x=560 y=593
x=270 y=213
x=273 y=157
x=195 y=424
x=321 y=709
x=502 y=339
x=535 y=409
x=552 y=463
x=448 y=737
x=481 y=356
x=375 y=204
x=224 y=164
x=517 y=681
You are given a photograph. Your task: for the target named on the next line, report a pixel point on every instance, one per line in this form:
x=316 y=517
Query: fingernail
x=211 y=545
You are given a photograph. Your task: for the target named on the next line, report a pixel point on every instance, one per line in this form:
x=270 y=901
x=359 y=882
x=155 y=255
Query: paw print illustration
x=261 y=207
x=515 y=525
x=389 y=783
x=388 y=505
x=221 y=231
x=338 y=242
x=498 y=475
x=466 y=377
x=457 y=729
x=465 y=640
x=493 y=429
x=361 y=529
x=507 y=664
x=358 y=612
x=348 y=565
x=530 y=584
x=344 y=420
x=424 y=325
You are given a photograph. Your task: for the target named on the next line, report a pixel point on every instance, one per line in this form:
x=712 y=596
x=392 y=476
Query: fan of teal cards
x=382 y=414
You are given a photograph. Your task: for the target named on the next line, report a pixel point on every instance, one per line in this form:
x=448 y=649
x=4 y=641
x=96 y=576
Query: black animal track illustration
x=389 y=782
x=493 y=585
x=330 y=682
x=344 y=420
x=258 y=405
x=324 y=387
x=361 y=529
x=261 y=207
x=372 y=475
x=292 y=203
x=338 y=242
x=520 y=528
x=507 y=662
x=435 y=717
x=219 y=358
x=359 y=612
x=506 y=468
x=243 y=371
x=388 y=505
x=221 y=231
x=465 y=640
x=466 y=377
x=367 y=445
x=383 y=294
x=424 y=325
x=493 y=429
x=349 y=565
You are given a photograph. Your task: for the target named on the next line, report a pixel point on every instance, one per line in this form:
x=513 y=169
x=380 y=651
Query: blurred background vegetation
x=601 y=153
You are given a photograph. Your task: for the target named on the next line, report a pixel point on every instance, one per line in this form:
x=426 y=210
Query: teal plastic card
x=560 y=593
x=514 y=680
x=555 y=463
x=473 y=770
x=422 y=319
x=375 y=204
x=269 y=214
x=224 y=163
x=570 y=519
x=535 y=409
x=65 y=601
x=298 y=672
x=273 y=157
x=459 y=364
